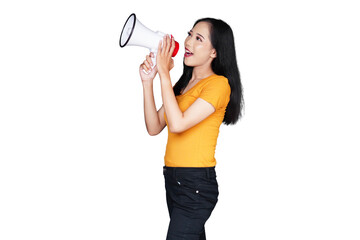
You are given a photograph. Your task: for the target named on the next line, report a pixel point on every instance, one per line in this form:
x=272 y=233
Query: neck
x=201 y=72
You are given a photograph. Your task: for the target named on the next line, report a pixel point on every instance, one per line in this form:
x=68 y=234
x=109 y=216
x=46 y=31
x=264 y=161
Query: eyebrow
x=198 y=34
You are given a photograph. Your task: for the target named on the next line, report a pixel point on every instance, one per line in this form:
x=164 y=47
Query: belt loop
x=174 y=172
x=208 y=173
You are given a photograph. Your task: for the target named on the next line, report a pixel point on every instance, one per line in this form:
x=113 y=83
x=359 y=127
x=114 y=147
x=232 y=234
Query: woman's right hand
x=147 y=66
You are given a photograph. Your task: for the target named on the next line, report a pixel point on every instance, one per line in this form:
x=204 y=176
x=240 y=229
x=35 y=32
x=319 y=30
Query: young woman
x=207 y=94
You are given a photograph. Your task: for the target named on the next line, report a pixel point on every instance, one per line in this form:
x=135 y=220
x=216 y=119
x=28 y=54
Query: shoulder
x=219 y=79
x=216 y=91
x=219 y=82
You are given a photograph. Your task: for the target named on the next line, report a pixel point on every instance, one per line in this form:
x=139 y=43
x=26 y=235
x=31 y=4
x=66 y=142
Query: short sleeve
x=217 y=92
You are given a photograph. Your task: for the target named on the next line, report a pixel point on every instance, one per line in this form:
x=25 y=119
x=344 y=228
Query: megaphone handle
x=153 y=59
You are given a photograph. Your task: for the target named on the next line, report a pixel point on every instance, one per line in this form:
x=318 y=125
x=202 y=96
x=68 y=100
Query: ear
x=213 y=53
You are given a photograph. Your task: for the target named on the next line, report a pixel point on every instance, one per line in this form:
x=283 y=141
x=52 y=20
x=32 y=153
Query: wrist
x=161 y=69
x=164 y=75
x=147 y=84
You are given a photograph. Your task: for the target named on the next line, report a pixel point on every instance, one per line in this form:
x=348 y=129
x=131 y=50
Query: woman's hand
x=147 y=66
x=164 y=61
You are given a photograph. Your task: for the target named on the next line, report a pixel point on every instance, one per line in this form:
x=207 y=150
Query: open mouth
x=188 y=53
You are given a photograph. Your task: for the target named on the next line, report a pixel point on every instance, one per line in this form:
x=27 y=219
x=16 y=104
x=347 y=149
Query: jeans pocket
x=188 y=194
x=190 y=184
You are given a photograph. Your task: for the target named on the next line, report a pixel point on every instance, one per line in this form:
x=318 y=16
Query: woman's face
x=198 y=48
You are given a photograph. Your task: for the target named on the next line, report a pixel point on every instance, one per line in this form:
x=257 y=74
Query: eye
x=189 y=34
x=197 y=38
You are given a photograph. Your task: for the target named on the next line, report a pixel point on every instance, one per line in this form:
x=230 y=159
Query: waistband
x=209 y=172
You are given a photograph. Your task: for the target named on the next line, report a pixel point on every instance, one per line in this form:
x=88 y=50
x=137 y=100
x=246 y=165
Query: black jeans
x=191 y=195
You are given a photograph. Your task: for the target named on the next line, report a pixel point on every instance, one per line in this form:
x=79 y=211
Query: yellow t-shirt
x=195 y=147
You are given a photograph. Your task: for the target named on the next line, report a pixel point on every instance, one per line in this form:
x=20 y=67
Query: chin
x=188 y=63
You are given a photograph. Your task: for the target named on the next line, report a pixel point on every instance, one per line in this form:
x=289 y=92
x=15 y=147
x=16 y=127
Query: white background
x=77 y=162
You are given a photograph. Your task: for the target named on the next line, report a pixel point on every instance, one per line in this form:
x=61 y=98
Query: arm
x=177 y=120
x=154 y=120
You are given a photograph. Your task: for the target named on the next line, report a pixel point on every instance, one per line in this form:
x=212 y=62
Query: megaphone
x=134 y=33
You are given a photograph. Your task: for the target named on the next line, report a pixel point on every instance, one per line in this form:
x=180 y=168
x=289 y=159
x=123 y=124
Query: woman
x=208 y=93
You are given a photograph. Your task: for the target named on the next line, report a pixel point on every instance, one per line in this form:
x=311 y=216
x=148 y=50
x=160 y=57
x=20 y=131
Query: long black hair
x=225 y=64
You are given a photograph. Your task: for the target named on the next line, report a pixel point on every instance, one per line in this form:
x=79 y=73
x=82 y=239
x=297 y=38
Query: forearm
x=173 y=112
x=150 y=113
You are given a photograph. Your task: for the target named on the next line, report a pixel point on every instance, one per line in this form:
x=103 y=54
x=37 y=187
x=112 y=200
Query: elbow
x=175 y=129
x=172 y=130
x=177 y=126
x=152 y=133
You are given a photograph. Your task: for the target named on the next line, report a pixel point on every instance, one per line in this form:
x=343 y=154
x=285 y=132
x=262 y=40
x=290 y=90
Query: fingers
x=145 y=68
x=164 y=45
x=149 y=60
x=167 y=45
x=159 y=48
x=165 y=50
x=172 y=45
x=147 y=64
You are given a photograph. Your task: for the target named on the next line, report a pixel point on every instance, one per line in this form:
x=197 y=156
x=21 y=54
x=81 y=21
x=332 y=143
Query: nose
x=187 y=42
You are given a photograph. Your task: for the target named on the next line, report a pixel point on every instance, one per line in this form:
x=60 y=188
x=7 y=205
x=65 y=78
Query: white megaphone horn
x=134 y=33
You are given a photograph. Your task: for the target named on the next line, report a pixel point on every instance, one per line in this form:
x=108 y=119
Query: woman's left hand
x=164 y=61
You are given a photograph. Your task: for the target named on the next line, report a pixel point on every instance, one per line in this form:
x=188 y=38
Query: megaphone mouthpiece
x=176 y=49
